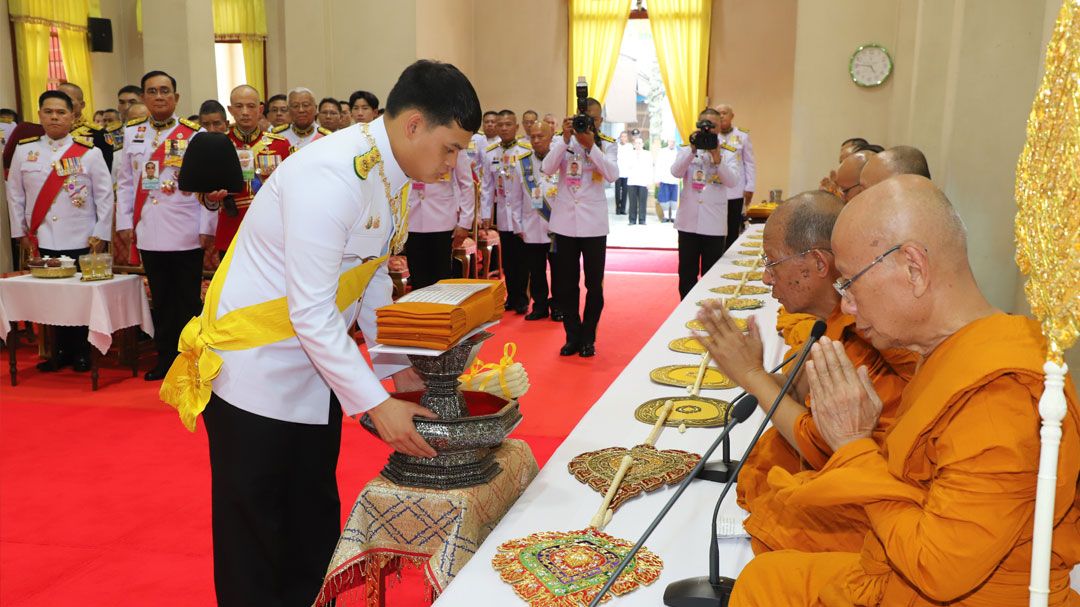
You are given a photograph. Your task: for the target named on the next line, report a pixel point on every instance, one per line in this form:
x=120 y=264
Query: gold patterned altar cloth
x=438 y=530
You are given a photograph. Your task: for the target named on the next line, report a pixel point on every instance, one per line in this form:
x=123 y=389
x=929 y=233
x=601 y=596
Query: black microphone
x=742 y=407
x=716 y=590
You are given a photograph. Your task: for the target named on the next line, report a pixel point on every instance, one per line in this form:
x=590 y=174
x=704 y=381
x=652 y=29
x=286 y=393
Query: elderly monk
x=799 y=267
x=950 y=495
x=848 y=173
x=899 y=160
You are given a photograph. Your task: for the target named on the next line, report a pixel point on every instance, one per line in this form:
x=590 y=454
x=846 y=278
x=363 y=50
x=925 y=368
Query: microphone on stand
x=742 y=407
x=715 y=590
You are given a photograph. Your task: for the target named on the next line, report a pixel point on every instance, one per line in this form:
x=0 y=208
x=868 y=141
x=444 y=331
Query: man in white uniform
x=60 y=193
x=741 y=191
x=439 y=213
x=274 y=417
x=502 y=200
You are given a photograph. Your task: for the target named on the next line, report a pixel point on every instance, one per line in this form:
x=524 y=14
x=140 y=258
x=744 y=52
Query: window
x=57 y=74
x=230 y=68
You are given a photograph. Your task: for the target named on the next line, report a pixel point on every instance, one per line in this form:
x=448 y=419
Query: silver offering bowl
x=469 y=428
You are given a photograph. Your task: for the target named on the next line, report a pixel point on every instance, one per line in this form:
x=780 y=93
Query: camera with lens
x=582 y=122
x=704 y=138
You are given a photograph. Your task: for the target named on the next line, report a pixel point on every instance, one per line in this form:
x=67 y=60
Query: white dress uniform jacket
x=705 y=191
x=296 y=140
x=535 y=229
x=744 y=160
x=580 y=208
x=170 y=221
x=445 y=204
x=82 y=208
x=309 y=224
x=503 y=185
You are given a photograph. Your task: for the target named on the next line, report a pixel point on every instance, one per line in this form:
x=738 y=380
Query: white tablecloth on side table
x=104 y=306
x=556 y=501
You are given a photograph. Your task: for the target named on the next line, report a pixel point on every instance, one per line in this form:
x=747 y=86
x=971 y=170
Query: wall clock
x=870 y=65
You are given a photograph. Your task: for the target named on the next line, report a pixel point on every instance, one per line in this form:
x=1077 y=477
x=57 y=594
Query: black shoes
x=537 y=315
x=80 y=364
x=159 y=370
x=587 y=350
x=569 y=349
x=557 y=316
x=54 y=364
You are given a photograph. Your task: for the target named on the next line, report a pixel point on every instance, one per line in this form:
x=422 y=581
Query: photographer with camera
x=708 y=169
x=584 y=160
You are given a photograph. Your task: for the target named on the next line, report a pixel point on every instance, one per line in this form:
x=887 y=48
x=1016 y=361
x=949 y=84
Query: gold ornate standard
x=1048 y=251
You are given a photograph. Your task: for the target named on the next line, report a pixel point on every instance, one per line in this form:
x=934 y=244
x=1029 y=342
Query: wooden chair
x=488 y=243
x=399 y=273
x=466 y=255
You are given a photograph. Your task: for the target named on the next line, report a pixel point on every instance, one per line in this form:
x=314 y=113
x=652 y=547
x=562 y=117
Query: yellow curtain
x=680 y=30
x=245 y=20
x=32 y=20
x=595 y=35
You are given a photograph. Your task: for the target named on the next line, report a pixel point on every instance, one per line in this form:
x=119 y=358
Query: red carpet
x=655 y=261
x=105 y=498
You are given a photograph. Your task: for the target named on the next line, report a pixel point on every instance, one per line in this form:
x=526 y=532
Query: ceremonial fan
x=1048 y=251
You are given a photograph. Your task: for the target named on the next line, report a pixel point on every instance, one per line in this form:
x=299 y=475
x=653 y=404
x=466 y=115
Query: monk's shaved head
x=899 y=160
x=244 y=91
x=905 y=246
x=849 y=173
x=796 y=243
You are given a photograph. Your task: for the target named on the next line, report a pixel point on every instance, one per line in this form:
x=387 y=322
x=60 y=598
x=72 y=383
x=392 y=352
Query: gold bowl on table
x=53 y=272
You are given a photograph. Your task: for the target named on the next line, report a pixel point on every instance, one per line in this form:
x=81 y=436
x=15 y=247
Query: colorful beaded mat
x=568 y=569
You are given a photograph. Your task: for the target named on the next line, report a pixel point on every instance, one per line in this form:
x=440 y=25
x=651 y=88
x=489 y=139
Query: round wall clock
x=870 y=65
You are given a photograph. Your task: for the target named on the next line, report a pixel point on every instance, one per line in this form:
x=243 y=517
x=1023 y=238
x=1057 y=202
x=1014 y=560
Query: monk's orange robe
x=950 y=496
x=771 y=525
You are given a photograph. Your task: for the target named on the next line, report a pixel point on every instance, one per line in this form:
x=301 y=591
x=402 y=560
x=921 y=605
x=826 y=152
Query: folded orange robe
x=439 y=326
x=771 y=525
x=951 y=494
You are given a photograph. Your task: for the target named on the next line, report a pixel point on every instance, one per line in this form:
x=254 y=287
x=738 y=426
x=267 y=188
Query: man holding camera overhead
x=585 y=161
x=708 y=169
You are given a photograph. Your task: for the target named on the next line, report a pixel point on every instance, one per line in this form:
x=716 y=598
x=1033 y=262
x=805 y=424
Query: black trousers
x=734 y=221
x=276 y=510
x=70 y=341
x=697 y=254
x=571 y=254
x=620 y=196
x=538 y=256
x=428 y=254
x=515 y=270
x=639 y=201
x=175 y=279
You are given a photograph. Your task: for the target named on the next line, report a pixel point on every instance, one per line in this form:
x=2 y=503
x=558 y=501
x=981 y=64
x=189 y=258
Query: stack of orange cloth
x=416 y=323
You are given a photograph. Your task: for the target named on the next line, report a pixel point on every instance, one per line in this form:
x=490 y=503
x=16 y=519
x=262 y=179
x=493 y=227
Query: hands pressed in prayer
x=736 y=354
x=846 y=407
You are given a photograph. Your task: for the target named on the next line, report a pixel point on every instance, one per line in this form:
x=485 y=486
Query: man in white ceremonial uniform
x=439 y=213
x=303 y=129
x=503 y=200
x=540 y=190
x=584 y=163
x=625 y=158
x=314 y=241
x=702 y=221
x=740 y=192
x=59 y=193
x=171 y=228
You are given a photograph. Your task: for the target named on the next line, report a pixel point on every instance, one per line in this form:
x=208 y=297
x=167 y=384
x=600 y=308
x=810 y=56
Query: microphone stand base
x=698 y=592
x=718 y=472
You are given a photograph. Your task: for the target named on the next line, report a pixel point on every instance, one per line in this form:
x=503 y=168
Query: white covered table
x=556 y=501
x=104 y=307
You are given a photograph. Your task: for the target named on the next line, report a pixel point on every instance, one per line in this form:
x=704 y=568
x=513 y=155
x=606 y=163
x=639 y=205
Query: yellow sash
x=188 y=383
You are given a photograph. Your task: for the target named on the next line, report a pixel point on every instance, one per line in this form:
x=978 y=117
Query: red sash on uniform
x=49 y=190
x=141 y=194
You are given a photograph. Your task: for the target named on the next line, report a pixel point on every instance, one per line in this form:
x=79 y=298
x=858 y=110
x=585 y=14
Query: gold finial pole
x=1048 y=251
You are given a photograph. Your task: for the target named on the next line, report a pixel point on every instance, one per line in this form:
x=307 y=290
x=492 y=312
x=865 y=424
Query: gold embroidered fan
x=685 y=376
x=650 y=469
x=695 y=325
x=735 y=303
x=746 y=290
x=739 y=275
x=691 y=411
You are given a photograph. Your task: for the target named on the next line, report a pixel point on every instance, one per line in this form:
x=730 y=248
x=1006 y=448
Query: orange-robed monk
x=950 y=495
x=799 y=267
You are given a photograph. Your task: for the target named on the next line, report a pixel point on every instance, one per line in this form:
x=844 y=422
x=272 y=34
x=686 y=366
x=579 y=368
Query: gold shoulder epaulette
x=363 y=163
x=558 y=133
x=279 y=128
x=189 y=124
x=29 y=140
x=324 y=131
x=135 y=121
x=526 y=154
x=747 y=131
x=525 y=143
x=271 y=135
x=606 y=138
x=491 y=147
x=729 y=148
x=86 y=142
x=92 y=128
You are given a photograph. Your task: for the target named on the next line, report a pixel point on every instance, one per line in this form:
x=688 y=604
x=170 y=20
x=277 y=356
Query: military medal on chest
x=76 y=192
